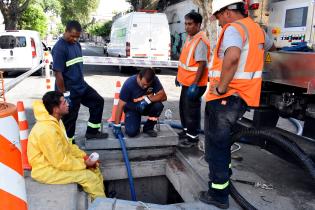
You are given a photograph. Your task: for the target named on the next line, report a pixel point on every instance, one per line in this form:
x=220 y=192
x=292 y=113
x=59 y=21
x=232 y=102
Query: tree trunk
x=10 y=22
x=12 y=12
x=209 y=27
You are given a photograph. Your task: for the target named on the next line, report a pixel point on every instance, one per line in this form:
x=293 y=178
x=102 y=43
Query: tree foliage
x=79 y=10
x=139 y=4
x=53 y=6
x=12 y=11
x=34 y=19
x=100 y=29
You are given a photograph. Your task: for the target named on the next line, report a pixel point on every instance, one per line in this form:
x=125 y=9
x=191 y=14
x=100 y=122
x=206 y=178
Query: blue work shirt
x=131 y=92
x=67 y=58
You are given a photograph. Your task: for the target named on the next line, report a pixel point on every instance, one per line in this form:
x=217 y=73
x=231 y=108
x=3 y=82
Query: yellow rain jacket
x=55 y=160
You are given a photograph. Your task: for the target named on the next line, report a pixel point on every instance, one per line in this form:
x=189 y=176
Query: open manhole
x=156 y=189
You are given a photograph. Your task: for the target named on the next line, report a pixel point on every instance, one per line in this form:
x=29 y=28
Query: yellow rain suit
x=55 y=160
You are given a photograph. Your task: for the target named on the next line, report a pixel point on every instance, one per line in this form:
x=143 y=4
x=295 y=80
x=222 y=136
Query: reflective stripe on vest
x=220 y=186
x=238 y=75
x=74 y=61
x=187 y=67
x=191 y=50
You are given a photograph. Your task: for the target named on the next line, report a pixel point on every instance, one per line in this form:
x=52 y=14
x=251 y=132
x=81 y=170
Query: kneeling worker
x=54 y=159
x=141 y=94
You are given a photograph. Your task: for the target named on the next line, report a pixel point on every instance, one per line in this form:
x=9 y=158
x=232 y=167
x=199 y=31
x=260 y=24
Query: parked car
x=140 y=35
x=21 y=50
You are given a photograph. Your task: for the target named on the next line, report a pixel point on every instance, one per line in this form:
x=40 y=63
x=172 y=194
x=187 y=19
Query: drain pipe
x=297 y=125
x=127 y=163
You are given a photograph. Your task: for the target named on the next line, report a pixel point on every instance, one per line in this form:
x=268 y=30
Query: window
x=10 y=42
x=296 y=17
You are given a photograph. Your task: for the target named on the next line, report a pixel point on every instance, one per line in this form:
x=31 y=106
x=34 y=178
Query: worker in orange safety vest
x=235 y=83
x=193 y=77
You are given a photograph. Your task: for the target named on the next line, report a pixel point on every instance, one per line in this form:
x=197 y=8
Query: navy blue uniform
x=132 y=94
x=67 y=59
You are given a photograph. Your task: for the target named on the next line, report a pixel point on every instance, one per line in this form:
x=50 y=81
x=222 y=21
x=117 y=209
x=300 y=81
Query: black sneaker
x=208 y=199
x=182 y=135
x=97 y=135
x=187 y=144
x=151 y=133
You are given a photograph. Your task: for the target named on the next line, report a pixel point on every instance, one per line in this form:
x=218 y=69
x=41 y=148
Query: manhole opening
x=156 y=189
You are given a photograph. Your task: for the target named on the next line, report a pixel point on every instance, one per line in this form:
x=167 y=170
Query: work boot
x=97 y=135
x=187 y=144
x=182 y=135
x=151 y=133
x=208 y=199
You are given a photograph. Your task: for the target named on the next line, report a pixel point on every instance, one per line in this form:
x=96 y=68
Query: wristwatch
x=220 y=93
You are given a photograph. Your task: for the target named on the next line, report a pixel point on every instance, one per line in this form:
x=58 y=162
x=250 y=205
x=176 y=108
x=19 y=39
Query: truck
x=21 y=50
x=143 y=34
x=288 y=88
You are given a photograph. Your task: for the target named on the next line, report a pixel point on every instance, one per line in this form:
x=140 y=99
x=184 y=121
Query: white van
x=140 y=35
x=20 y=50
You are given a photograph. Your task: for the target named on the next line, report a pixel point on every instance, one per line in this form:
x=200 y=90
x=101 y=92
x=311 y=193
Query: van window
x=10 y=42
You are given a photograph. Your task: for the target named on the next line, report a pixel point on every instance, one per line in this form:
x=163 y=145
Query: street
x=102 y=78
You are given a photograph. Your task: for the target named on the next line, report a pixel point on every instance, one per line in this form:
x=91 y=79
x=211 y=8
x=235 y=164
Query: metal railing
x=8 y=86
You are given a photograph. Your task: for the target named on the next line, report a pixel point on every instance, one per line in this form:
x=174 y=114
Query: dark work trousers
x=220 y=118
x=133 y=118
x=189 y=110
x=90 y=99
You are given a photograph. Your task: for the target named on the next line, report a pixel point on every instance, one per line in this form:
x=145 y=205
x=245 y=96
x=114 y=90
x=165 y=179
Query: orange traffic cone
x=12 y=183
x=116 y=99
x=23 y=125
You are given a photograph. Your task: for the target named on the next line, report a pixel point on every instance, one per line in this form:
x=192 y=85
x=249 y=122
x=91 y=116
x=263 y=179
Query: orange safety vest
x=247 y=79
x=187 y=65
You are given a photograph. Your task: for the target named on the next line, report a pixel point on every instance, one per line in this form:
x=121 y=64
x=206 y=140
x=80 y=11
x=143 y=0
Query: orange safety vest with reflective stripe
x=187 y=65
x=247 y=79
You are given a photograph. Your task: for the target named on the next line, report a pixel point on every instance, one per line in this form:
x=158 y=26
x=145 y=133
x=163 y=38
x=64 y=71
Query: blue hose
x=127 y=163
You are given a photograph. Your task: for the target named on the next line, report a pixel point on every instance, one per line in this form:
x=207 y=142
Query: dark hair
x=73 y=24
x=148 y=74
x=51 y=99
x=195 y=16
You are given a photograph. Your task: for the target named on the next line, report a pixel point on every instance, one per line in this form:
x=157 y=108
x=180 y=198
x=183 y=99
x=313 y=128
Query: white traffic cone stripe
x=116 y=101
x=15 y=185
x=21 y=116
x=10 y=134
x=24 y=135
x=118 y=89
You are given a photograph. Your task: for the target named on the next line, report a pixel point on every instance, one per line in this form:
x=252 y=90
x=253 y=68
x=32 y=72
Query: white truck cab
x=20 y=50
x=140 y=35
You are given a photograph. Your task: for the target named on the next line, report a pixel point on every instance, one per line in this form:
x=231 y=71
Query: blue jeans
x=133 y=118
x=220 y=117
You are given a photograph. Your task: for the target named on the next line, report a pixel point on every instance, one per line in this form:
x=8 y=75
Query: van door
x=160 y=41
x=140 y=36
x=15 y=53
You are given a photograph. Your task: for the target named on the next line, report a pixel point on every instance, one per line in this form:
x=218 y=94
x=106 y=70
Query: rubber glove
x=143 y=104
x=117 y=131
x=177 y=84
x=193 y=91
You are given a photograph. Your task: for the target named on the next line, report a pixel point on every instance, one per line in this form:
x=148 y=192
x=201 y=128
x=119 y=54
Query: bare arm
x=158 y=97
x=229 y=67
x=60 y=82
x=200 y=71
x=119 y=111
